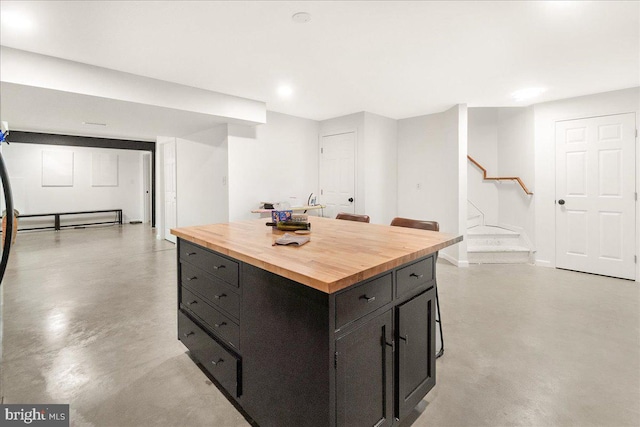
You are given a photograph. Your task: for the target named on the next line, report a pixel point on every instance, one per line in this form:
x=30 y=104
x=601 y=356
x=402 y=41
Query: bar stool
x=431 y=226
x=352 y=217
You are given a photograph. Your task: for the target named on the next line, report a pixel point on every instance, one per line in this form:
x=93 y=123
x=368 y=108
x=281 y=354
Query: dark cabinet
x=415 y=337
x=292 y=355
x=364 y=374
x=374 y=383
x=208 y=313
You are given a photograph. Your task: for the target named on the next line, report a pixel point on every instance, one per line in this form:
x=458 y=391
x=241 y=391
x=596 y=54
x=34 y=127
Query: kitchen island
x=337 y=332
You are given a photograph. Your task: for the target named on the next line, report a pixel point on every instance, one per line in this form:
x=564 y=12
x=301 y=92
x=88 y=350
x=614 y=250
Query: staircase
x=495 y=245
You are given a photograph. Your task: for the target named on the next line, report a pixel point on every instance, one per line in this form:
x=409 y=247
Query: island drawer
x=363 y=299
x=216 y=292
x=211 y=262
x=222 y=365
x=221 y=324
x=414 y=275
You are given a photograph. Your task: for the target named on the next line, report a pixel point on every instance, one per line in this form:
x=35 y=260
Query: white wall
x=546 y=115
x=271 y=162
x=483 y=147
x=460 y=122
x=24 y=163
x=516 y=158
x=201 y=178
x=380 y=168
x=432 y=175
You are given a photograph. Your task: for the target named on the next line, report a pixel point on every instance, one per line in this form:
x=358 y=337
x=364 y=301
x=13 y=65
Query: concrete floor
x=89 y=319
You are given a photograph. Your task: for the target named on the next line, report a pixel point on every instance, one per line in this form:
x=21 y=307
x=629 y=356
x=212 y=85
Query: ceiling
x=50 y=111
x=397 y=59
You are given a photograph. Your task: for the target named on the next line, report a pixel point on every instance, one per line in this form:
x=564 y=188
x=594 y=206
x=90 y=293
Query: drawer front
x=220 y=324
x=214 y=264
x=217 y=293
x=363 y=299
x=222 y=365
x=410 y=277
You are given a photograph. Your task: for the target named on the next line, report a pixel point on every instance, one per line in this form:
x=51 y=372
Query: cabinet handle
x=405 y=338
x=190 y=253
x=188 y=334
x=217 y=267
x=218 y=325
x=215 y=363
x=220 y=296
x=367 y=298
x=417 y=276
x=192 y=302
x=191 y=278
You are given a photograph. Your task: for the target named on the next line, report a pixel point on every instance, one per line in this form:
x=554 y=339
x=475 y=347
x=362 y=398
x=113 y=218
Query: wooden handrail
x=502 y=178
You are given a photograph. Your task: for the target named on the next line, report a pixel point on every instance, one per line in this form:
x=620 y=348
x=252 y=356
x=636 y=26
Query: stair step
x=495 y=248
x=475 y=241
x=498 y=255
x=487 y=230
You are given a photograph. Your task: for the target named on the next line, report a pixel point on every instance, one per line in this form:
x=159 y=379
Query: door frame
x=147 y=161
x=341 y=131
x=161 y=235
x=637 y=183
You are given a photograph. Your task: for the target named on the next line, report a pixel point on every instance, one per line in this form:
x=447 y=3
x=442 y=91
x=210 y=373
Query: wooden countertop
x=340 y=253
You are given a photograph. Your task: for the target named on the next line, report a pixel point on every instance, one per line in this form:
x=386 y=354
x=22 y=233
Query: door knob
x=351 y=199
x=561 y=202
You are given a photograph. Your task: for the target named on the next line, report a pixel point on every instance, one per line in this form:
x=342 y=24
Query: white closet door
x=595 y=195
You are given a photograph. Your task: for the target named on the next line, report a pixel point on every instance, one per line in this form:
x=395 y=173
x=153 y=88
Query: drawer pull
x=369 y=299
x=220 y=296
x=188 y=334
x=218 y=267
x=191 y=278
x=190 y=253
x=215 y=363
x=219 y=325
x=405 y=338
x=417 y=276
x=192 y=302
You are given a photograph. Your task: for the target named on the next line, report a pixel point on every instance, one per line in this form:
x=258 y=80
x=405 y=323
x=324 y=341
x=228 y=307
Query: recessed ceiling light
x=528 y=93
x=16 y=20
x=301 y=17
x=285 y=91
x=94 y=124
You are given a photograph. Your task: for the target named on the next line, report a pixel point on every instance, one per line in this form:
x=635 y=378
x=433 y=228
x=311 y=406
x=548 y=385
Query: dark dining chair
x=352 y=217
x=431 y=226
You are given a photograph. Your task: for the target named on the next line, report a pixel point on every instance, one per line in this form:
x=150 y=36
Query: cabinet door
x=416 y=350
x=364 y=369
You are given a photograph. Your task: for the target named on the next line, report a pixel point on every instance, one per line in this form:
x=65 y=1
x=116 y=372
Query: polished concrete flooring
x=89 y=319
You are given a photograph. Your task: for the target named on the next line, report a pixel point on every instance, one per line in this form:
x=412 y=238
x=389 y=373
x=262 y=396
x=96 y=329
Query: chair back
x=416 y=223
x=352 y=217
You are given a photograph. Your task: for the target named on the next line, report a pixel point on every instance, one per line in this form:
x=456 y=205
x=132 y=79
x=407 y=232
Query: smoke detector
x=301 y=17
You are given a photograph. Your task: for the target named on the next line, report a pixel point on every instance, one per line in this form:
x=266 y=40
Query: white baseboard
x=453 y=261
x=543 y=263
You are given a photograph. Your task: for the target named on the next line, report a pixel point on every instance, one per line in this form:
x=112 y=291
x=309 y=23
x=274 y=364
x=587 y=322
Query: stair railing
x=501 y=178
x=477 y=209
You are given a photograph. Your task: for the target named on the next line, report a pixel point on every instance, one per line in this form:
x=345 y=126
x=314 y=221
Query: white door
x=595 y=195
x=169 y=182
x=337 y=173
x=146 y=186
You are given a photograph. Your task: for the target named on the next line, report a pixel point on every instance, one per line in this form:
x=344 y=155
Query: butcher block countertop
x=340 y=253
